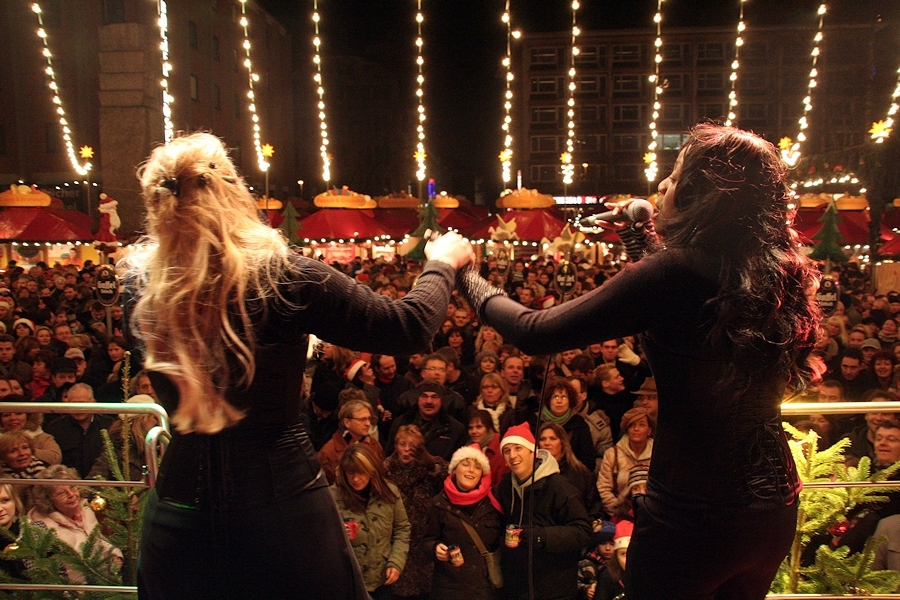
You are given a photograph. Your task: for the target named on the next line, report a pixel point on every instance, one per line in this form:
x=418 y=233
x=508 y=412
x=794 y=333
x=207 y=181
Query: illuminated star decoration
x=565 y=158
x=86 y=152
x=419 y=156
x=565 y=241
x=880 y=130
x=785 y=143
x=650 y=158
x=506 y=156
x=268 y=150
x=504 y=231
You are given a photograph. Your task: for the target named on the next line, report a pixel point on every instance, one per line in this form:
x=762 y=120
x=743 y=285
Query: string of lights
x=650 y=156
x=735 y=65
x=420 y=95
x=320 y=90
x=568 y=168
x=790 y=151
x=57 y=100
x=881 y=130
x=507 y=154
x=167 y=98
x=252 y=78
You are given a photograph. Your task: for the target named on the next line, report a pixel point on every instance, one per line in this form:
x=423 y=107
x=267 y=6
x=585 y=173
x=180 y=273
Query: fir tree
x=829 y=237
x=428 y=221
x=290 y=224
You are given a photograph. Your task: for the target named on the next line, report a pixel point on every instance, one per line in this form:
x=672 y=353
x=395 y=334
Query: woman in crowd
x=552 y=437
x=44 y=336
x=481 y=430
x=838 y=331
x=61 y=509
x=466 y=503
x=43 y=444
x=883 y=364
x=27 y=348
x=634 y=448
x=374 y=518
x=223 y=309
x=17 y=456
x=11 y=514
x=560 y=399
x=494 y=397
x=23 y=328
x=487 y=334
x=40 y=372
x=486 y=362
x=418 y=475
x=728 y=319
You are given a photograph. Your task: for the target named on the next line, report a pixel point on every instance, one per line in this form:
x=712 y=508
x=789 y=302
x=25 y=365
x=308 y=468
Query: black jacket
x=443 y=434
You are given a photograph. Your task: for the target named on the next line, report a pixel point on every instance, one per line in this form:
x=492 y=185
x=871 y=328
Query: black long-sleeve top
x=268 y=456
x=714 y=448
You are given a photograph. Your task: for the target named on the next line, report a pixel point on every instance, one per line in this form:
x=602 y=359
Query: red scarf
x=469 y=498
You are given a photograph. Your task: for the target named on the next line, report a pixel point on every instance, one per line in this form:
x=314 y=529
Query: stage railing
x=152 y=452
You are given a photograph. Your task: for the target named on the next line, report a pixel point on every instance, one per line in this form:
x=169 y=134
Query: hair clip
x=212 y=166
x=171 y=184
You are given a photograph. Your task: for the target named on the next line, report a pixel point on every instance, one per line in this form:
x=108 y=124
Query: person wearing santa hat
x=541 y=509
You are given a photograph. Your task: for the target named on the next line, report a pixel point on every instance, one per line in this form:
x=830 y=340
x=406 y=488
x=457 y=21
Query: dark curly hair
x=731 y=198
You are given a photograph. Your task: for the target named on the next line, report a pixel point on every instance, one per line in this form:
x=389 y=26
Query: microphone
x=639 y=211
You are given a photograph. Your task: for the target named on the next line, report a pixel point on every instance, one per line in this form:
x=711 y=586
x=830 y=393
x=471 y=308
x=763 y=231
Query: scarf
x=562 y=419
x=469 y=498
x=496 y=412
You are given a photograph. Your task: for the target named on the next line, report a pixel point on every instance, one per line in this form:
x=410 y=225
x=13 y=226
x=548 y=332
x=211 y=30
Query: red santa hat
x=353 y=369
x=521 y=435
x=624 y=529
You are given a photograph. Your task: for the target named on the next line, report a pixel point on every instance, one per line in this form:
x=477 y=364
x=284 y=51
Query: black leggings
x=690 y=555
x=296 y=548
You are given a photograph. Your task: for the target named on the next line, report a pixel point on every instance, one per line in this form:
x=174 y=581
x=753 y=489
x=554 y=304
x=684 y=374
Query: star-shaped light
x=419 y=156
x=268 y=150
x=565 y=158
x=785 y=143
x=880 y=130
x=649 y=157
x=86 y=152
x=506 y=156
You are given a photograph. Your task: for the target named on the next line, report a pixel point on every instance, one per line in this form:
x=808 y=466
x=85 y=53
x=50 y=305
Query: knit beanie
x=520 y=434
x=637 y=475
x=603 y=532
x=472 y=451
x=624 y=529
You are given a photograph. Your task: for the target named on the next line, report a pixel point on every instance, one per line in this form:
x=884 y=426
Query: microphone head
x=639 y=211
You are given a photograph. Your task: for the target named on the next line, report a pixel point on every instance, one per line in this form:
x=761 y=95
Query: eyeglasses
x=368 y=419
x=64 y=492
x=434 y=369
x=560 y=397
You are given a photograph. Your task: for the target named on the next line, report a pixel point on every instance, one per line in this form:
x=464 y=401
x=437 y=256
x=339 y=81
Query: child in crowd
x=595 y=558
x=611 y=580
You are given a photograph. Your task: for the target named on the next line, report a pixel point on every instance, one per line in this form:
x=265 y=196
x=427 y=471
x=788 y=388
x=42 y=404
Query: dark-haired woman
x=728 y=322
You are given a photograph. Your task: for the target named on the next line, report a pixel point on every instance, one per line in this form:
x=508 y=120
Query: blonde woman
x=223 y=309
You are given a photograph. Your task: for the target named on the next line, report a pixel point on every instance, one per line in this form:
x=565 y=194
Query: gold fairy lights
x=320 y=91
x=650 y=156
x=507 y=154
x=791 y=154
x=252 y=78
x=735 y=65
x=167 y=98
x=882 y=129
x=81 y=169
x=568 y=168
x=420 y=95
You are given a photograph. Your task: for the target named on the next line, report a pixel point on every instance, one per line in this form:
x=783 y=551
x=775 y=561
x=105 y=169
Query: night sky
x=465 y=40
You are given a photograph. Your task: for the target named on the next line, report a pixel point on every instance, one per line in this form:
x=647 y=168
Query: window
x=544 y=58
x=626 y=113
x=626 y=55
x=587 y=57
x=672 y=141
x=215 y=48
x=673 y=85
x=544 y=143
x=2 y=140
x=626 y=142
x=672 y=113
x=710 y=84
x=710 y=53
x=587 y=85
x=754 y=53
x=52 y=137
x=544 y=115
x=192 y=34
x=626 y=172
x=217 y=97
x=753 y=83
x=586 y=114
x=195 y=88
x=113 y=11
x=592 y=143
x=673 y=55
x=543 y=85
x=626 y=86
x=237 y=106
x=543 y=172
x=713 y=111
x=754 y=110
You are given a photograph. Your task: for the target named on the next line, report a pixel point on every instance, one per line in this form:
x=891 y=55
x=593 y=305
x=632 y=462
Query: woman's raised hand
x=451 y=248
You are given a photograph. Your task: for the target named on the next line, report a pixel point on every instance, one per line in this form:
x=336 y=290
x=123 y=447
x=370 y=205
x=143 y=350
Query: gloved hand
x=627 y=356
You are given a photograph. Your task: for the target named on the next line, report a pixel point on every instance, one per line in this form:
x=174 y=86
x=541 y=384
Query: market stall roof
x=44 y=225
x=340 y=224
x=397 y=221
x=531 y=225
x=853 y=224
x=455 y=218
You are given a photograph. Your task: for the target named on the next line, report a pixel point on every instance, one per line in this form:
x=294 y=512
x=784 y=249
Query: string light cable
x=882 y=129
x=420 y=95
x=790 y=151
x=735 y=65
x=320 y=91
x=568 y=167
x=507 y=154
x=650 y=156
x=81 y=169
x=252 y=78
x=167 y=98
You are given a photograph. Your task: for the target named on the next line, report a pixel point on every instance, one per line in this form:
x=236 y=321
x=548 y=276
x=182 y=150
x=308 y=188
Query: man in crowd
x=78 y=434
x=356 y=418
x=434 y=371
x=855 y=379
x=601 y=434
x=457 y=380
x=611 y=396
x=548 y=520
x=390 y=388
x=62 y=371
x=443 y=434
x=9 y=366
x=862 y=439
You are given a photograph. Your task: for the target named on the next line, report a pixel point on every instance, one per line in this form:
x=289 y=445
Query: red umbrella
x=531 y=225
x=340 y=224
x=44 y=225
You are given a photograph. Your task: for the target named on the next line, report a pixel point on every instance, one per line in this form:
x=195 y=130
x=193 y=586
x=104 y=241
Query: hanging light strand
x=252 y=78
x=735 y=65
x=57 y=100
x=881 y=131
x=568 y=167
x=320 y=90
x=791 y=153
x=167 y=98
x=420 y=95
x=650 y=157
x=507 y=154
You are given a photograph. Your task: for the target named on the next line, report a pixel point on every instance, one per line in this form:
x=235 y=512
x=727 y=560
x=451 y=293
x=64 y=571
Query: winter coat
x=45 y=447
x=418 y=485
x=443 y=434
x=613 y=493
x=330 y=454
x=382 y=540
x=601 y=434
x=444 y=526
x=589 y=569
x=560 y=531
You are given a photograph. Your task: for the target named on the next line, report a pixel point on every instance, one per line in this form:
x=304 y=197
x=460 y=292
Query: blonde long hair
x=205 y=255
